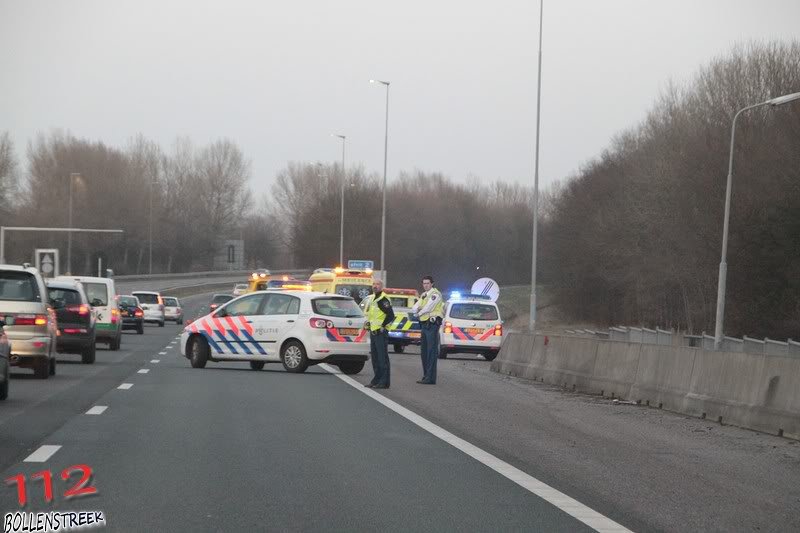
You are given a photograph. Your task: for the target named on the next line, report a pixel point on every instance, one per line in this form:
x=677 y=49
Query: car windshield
x=19 y=287
x=127 y=301
x=336 y=307
x=473 y=311
x=61 y=297
x=170 y=302
x=97 y=293
x=356 y=292
x=146 y=297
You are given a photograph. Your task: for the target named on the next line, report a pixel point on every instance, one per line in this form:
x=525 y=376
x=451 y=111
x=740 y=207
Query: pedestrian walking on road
x=430 y=309
x=379 y=314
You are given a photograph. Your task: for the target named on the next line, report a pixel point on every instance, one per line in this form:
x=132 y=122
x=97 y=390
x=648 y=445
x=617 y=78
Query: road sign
x=46 y=260
x=486 y=287
x=360 y=264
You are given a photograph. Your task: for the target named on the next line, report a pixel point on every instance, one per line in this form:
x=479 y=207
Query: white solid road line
x=155 y=360
x=143 y=371
x=125 y=386
x=97 y=410
x=569 y=505
x=41 y=455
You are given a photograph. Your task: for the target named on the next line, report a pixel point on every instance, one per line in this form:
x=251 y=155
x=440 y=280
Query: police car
x=296 y=328
x=471 y=324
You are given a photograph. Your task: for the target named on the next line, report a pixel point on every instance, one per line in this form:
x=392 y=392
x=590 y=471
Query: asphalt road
x=227 y=448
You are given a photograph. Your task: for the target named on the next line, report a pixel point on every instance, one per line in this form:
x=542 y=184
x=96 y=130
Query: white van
x=102 y=297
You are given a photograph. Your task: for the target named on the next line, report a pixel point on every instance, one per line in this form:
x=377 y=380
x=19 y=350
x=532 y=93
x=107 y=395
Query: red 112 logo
x=81 y=488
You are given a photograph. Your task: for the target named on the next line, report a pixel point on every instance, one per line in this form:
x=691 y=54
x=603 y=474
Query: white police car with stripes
x=297 y=329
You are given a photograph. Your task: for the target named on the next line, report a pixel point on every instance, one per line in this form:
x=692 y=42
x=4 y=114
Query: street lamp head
x=379 y=81
x=785 y=99
x=343 y=137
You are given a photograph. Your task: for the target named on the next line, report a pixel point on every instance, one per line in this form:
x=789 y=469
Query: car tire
x=442 y=354
x=140 y=329
x=179 y=322
x=399 y=348
x=4 y=386
x=257 y=365
x=198 y=352
x=351 y=367
x=161 y=324
x=293 y=357
x=51 y=367
x=490 y=356
x=115 y=343
x=41 y=369
x=88 y=354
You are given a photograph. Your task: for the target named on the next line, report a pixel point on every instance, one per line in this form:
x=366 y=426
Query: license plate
x=348 y=331
x=474 y=331
x=415 y=335
x=125 y=313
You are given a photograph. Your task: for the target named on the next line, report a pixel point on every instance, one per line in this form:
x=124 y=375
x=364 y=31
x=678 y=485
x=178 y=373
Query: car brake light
x=448 y=327
x=320 y=323
x=212 y=306
x=114 y=315
x=178 y=310
x=30 y=320
x=138 y=312
x=498 y=330
x=74 y=330
x=80 y=309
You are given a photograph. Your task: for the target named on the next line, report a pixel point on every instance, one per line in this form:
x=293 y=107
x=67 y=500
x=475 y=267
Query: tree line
x=633 y=238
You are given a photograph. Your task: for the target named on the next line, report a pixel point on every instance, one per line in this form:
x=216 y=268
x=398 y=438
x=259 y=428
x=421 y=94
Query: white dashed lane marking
x=162 y=353
x=97 y=410
x=44 y=453
x=155 y=360
x=143 y=371
x=125 y=386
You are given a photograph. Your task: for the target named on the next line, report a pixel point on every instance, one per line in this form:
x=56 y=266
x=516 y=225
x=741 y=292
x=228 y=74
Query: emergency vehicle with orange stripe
x=471 y=324
x=356 y=283
x=297 y=328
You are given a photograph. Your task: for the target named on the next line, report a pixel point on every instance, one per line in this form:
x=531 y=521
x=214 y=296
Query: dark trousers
x=429 y=350
x=379 y=355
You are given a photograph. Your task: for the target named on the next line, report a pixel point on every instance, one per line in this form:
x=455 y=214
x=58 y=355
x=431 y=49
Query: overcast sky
x=279 y=77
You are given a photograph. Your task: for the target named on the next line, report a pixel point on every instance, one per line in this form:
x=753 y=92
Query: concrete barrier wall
x=756 y=391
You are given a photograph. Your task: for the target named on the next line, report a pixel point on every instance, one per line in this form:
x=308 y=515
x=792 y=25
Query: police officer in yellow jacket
x=430 y=309
x=379 y=315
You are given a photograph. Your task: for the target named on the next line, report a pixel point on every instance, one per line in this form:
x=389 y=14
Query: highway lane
x=648 y=469
x=227 y=448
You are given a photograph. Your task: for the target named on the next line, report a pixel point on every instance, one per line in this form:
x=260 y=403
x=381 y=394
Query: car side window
x=248 y=305
x=281 y=304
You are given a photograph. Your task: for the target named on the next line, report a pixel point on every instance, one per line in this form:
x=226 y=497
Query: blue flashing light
x=455 y=295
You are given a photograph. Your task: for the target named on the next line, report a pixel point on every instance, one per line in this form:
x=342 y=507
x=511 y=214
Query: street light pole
x=532 y=322
x=341 y=216
x=723 y=265
x=72 y=176
x=385 y=158
x=150 y=231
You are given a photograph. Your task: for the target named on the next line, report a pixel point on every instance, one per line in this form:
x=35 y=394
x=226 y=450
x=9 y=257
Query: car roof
x=87 y=278
x=62 y=284
x=18 y=268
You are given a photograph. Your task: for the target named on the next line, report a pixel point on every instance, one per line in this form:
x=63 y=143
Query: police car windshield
x=473 y=311
x=336 y=307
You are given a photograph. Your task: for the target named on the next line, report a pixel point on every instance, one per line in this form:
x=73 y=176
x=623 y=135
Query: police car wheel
x=489 y=356
x=442 y=354
x=198 y=352
x=257 y=365
x=351 y=367
x=399 y=348
x=4 y=386
x=293 y=357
